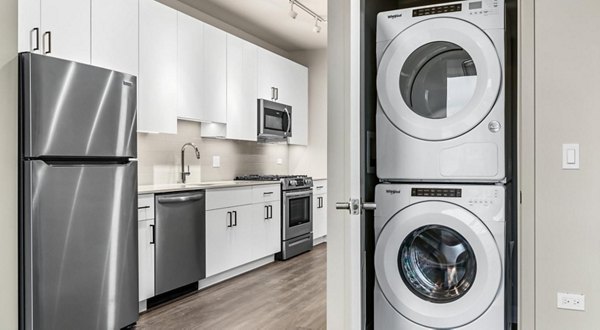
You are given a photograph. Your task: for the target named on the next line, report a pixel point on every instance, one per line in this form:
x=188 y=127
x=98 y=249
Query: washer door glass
x=437 y=264
x=438 y=80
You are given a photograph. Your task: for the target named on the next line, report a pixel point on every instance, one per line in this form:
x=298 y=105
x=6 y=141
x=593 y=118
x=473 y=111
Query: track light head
x=317 y=27
x=292 y=12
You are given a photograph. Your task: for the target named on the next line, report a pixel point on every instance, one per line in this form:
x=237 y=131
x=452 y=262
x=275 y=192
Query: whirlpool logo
x=394 y=16
x=393 y=191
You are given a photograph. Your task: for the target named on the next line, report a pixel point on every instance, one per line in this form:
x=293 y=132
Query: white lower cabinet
x=319 y=209
x=267 y=229
x=228 y=235
x=146 y=246
x=239 y=234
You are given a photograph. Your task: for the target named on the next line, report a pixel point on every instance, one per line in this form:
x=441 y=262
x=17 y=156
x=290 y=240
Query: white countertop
x=162 y=188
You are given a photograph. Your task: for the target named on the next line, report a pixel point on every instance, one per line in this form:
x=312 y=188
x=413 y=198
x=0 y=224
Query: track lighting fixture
x=318 y=18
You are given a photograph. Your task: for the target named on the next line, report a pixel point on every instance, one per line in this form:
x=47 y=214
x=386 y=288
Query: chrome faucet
x=185 y=173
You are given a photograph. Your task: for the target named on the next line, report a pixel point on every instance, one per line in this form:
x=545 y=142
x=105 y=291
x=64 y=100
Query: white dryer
x=440 y=88
x=439 y=257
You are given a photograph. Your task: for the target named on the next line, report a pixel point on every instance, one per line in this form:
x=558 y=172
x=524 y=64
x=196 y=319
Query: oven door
x=297 y=213
x=274 y=120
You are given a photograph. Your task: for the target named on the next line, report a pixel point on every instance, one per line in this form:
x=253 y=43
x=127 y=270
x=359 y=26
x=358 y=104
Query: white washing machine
x=440 y=88
x=439 y=257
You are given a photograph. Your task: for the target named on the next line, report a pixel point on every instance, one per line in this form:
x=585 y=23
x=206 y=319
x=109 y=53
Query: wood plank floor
x=281 y=295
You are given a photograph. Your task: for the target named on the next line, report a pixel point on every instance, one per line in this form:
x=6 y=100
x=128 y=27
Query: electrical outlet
x=279 y=161
x=216 y=161
x=570 y=301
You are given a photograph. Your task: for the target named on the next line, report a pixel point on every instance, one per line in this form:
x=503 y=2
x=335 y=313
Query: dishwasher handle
x=179 y=199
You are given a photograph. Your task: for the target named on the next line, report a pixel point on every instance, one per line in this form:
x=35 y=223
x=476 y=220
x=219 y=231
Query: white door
x=115 y=35
x=146 y=258
x=296 y=87
x=65 y=29
x=439 y=78
x=220 y=244
x=438 y=264
x=344 y=307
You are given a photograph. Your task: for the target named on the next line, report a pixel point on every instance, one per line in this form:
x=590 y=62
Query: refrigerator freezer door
x=76 y=110
x=80 y=246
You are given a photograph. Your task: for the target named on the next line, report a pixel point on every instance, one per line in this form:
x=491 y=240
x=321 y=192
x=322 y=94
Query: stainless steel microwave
x=274 y=121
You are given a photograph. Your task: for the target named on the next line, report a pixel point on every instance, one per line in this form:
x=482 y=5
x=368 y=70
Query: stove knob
x=293 y=183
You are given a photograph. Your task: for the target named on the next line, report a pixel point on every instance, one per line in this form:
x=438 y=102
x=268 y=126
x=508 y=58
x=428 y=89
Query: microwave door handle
x=289 y=121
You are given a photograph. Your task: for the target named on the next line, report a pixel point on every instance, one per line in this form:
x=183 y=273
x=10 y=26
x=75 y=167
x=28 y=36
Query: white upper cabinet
x=157 y=81
x=285 y=81
x=66 y=37
x=115 y=35
x=190 y=64
x=214 y=75
x=29 y=19
x=299 y=103
x=241 y=89
x=46 y=28
x=202 y=63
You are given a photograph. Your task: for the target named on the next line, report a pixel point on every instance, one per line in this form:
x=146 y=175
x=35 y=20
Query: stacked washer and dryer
x=441 y=127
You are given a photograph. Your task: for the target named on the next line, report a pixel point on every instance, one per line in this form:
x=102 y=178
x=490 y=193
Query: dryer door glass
x=437 y=264
x=438 y=80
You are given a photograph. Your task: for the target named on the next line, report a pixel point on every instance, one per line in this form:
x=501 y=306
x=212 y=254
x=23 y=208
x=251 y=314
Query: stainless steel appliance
x=78 y=196
x=274 y=121
x=180 y=240
x=296 y=212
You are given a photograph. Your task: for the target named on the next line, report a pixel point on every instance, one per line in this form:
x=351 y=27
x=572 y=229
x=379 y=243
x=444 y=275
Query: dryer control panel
x=436 y=192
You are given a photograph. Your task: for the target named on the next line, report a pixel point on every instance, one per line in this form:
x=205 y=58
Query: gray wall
x=8 y=165
x=567 y=110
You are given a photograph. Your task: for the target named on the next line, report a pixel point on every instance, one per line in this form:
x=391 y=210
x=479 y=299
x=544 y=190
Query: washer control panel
x=436 y=10
x=436 y=192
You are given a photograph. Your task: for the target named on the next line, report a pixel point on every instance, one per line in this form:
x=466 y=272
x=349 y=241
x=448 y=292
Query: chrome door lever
x=354 y=206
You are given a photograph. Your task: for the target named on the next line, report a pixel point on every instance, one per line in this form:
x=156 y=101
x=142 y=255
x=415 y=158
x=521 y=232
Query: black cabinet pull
x=153 y=234
x=49 y=42
x=270 y=211
x=267 y=212
x=235 y=218
x=144 y=207
x=37 y=39
x=229 y=219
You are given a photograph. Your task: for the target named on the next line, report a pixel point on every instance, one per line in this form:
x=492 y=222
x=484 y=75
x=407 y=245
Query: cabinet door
x=146 y=258
x=157 y=83
x=190 y=66
x=272 y=229
x=320 y=216
x=268 y=64
x=215 y=75
x=29 y=18
x=243 y=235
x=220 y=242
x=65 y=29
x=297 y=86
x=115 y=35
x=241 y=89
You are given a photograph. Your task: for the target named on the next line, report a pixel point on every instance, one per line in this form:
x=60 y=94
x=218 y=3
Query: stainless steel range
x=296 y=212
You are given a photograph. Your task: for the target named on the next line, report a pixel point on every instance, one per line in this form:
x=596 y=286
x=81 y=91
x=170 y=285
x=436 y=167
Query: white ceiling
x=269 y=20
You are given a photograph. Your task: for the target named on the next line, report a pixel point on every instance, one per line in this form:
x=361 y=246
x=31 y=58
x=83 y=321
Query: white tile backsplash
x=159 y=157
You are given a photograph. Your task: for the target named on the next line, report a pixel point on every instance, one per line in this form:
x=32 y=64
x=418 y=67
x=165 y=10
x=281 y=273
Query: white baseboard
x=319 y=240
x=205 y=283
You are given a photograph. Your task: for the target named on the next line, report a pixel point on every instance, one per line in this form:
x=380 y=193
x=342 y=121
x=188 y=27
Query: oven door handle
x=300 y=193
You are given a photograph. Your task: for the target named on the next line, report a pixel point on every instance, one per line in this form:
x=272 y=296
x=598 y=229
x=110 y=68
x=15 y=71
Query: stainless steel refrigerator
x=78 y=196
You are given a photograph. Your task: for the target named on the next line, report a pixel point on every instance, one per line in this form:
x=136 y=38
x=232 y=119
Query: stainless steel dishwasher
x=180 y=240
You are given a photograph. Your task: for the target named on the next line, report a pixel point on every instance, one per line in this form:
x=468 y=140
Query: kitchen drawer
x=266 y=193
x=319 y=187
x=228 y=197
x=145 y=207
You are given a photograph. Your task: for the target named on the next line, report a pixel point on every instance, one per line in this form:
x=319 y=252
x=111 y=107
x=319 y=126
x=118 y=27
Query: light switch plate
x=570 y=301
x=279 y=161
x=570 y=156
x=216 y=161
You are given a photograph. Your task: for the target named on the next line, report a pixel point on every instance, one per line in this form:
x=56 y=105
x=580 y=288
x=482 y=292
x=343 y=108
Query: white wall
x=8 y=165
x=312 y=159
